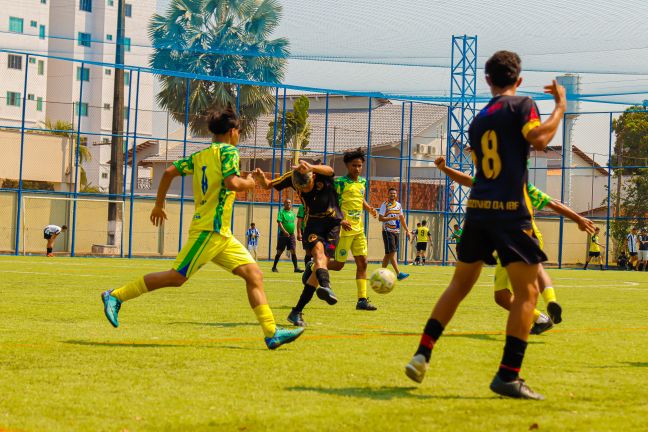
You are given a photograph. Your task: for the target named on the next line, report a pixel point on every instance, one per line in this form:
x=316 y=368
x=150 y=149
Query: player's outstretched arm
x=239 y=184
x=261 y=179
x=584 y=224
x=305 y=167
x=158 y=215
x=372 y=211
x=540 y=136
x=456 y=176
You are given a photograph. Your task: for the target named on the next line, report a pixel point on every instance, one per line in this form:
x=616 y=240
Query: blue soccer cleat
x=402 y=276
x=283 y=336
x=111 y=307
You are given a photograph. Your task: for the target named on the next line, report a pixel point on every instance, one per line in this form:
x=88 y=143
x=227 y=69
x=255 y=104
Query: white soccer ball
x=382 y=281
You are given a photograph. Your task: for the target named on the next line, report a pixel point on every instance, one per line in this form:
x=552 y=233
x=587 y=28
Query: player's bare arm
x=372 y=211
x=404 y=223
x=261 y=178
x=540 y=136
x=158 y=215
x=456 y=176
x=584 y=224
x=239 y=184
x=305 y=167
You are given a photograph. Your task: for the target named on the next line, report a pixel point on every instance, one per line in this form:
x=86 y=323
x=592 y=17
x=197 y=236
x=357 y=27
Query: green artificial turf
x=193 y=358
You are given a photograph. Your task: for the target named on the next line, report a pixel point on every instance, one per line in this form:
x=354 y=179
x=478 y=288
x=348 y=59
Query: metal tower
x=463 y=89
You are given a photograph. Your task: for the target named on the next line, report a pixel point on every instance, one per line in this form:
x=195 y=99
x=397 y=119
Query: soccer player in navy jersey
x=499 y=218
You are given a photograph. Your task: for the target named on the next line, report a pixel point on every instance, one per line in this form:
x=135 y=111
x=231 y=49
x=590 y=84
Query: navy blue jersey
x=500 y=152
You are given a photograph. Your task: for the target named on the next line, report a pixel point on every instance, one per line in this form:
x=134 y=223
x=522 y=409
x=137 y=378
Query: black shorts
x=286 y=242
x=47 y=235
x=421 y=246
x=480 y=240
x=595 y=254
x=328 y=233
x=390 y=240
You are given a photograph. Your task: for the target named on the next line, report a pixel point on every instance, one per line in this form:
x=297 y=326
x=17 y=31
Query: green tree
x=633 y=207
x=220 y=38
x=631 y=147
x=66 y=129
x=297 y=129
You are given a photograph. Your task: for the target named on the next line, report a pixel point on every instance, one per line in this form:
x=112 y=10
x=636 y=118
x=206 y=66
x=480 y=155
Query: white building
x=86 y=31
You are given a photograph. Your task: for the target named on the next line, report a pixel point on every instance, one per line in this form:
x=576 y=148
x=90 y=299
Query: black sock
x=512 y=358
x=276 y=260
x=431 y=333
x=305 y=298
x=49 y=250
x=423 y=260
x=418 y=259
x=294 y=259
x=323 y=277
x=307 y=259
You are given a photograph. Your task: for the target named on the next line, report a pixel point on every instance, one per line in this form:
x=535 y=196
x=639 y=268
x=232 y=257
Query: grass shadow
x=123 y=344
x=636 y=364
x=216 y=324
x=376 y=393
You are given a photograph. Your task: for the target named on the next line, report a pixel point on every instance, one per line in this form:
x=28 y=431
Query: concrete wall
x=151 y=241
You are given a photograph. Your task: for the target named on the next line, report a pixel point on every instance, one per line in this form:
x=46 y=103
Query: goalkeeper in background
x=216 y=179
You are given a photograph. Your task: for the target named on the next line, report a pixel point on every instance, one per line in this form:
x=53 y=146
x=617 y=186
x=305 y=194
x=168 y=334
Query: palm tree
x=66 y=129
x=220 y=38
x=296 y=129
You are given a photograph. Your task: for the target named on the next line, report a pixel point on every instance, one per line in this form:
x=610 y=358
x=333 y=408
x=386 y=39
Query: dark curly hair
x=503 y=68
x=220 y=122
x=350 y=155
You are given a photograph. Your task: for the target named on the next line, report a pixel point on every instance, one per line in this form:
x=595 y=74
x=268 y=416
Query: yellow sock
x=536 y=315
x=266 y=319
x=131 y=290
x=362 y=288
x=549 y=295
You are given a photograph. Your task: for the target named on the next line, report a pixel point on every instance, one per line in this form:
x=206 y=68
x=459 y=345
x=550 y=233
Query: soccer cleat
x=50 y=255
x=555 y=312
x=416 y=368
x=307 y=273
x=365 y=304
x=111 y=307
x=541 y=327
x=298 y=270
x=514 y=389
x=274 y=270
x=283 y=336
x=296 y=318
x=402 y=276
x=326 y=294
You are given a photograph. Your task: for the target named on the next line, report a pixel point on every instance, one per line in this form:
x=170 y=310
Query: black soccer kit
x=499 y=212
x=322 y=214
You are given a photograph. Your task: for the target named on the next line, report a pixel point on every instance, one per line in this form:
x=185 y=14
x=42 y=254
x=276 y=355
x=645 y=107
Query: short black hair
x=251 y=223
x=353 y=155
x=392 y=189
x=220 y=122
x=64 y=227
x=503 y=68
x=456 y=225
x=424 y=222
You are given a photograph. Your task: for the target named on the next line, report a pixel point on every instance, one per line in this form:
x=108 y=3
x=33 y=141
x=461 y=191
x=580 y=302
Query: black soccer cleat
x=539 y=328
x=326 y=294
x=517 y=389
x=307 y=273
x=298 y=270
x=555 y=312
x=296 y=318
x=274 y=270
x=365 y=304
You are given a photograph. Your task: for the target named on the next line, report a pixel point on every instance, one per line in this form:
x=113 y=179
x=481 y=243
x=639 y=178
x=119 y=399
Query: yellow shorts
x=205 y=246
x=356 y=244
x=502 y=281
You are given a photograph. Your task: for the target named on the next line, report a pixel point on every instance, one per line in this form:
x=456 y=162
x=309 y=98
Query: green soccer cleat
x=283 y=336
x=517 y=389
x=111 y=307
x=416 y=368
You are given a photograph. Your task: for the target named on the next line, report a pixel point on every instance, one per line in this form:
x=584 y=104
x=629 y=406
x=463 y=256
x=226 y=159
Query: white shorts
x=643 y=255
x=252 y=248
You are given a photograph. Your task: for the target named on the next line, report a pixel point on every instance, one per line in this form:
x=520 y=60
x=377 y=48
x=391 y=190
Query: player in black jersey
x=314 y=184
x=499 y=218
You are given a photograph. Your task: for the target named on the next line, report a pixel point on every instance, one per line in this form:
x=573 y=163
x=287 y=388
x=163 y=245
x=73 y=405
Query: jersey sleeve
x=383 y=209
x=185 y=165
x=280 y=217
x=230 y=161
x=529 y=116
x=539 y=199
x=283 y=182
x=300 y=212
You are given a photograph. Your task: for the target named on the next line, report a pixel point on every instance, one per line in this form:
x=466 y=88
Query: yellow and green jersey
x=594 y=247
x=422 y=234
x=351 y=194
x=539 y=201
x=213 y=202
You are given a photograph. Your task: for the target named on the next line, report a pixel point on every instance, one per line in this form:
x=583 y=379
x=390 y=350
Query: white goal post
x=39 y=211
